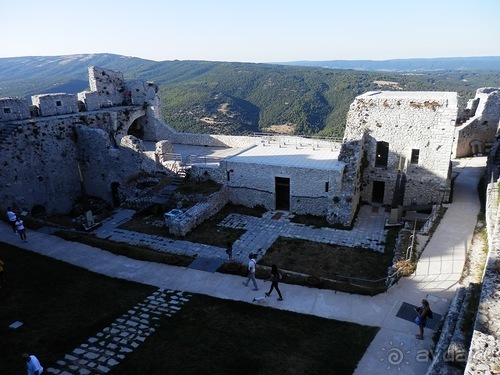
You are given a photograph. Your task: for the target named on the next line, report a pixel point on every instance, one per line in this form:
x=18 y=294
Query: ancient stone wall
x=476 y=135
x=110 y=86
x=414 y=125
x=91 y=99
x=254 y=184
x=145 y=94
x=55 y=104
x=484 y=352
x=44 y=154
x=212 y=172
x=184 y=223
x=13 y=109
x=40 y=166
x=343 y=206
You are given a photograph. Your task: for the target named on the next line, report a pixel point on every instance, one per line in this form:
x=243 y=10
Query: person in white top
x=251 y=272
x=32 y=364
x=21 y=230
x=11 y=215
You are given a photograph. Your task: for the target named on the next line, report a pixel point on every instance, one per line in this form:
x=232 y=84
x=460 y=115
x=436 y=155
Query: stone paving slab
x=100 y=353
x=407 y=312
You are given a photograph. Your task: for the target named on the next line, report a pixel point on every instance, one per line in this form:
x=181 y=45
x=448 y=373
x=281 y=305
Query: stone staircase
x=162 y=197
x=165 y=194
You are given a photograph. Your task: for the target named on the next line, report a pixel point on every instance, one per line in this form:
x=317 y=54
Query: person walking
x=423 y=312
x=11 y=215
x=21 y=230
x=229 y=250
x=275 y=277
x=32 y=364
x=251 y=272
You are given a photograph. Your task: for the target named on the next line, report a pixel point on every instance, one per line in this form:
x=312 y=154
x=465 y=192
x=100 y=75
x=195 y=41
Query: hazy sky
x=252 y=30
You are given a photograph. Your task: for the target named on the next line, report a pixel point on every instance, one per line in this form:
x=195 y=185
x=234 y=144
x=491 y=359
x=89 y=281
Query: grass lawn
x=61 y=306
x=211 y=336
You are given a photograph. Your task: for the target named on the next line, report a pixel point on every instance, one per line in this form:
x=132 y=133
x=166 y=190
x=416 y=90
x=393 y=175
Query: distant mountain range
x=242 y=98
x=409 y=65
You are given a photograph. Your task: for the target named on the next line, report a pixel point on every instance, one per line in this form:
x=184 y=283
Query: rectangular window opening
x=382 y=154
x=58 y=103
x=326 y=187
x=6 y=110
x=415 y=153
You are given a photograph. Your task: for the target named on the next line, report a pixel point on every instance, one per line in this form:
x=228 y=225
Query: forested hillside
x=237 y=98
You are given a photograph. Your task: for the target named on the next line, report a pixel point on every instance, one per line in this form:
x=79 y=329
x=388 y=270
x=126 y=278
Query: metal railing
x=203 y=159
x=312 y=137
x=301 y=141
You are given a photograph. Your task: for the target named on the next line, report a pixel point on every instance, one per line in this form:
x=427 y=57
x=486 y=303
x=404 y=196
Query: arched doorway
x=477 y=147
x=136 y=129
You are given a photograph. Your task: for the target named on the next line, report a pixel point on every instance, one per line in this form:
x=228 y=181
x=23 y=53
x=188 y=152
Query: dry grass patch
x=327 y=261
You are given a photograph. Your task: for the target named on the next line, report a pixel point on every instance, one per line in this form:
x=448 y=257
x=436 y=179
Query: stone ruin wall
x=476 y=135
x=13 y=109
x=212 y=172
x=484 y=352
x=343 y=206
x=40 y=162
x=109 y=85
x=194 y=216
x=406 y=123
x=253 y=184
x=39 y=171
x=41 y=152
x=55 y=104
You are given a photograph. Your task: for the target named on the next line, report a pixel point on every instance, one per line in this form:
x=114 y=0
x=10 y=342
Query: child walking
x=21 y=230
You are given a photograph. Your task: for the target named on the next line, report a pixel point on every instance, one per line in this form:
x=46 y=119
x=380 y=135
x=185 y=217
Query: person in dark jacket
x=275 y=277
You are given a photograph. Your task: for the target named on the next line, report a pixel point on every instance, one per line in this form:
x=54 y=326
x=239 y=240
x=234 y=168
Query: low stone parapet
x=184 y=223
